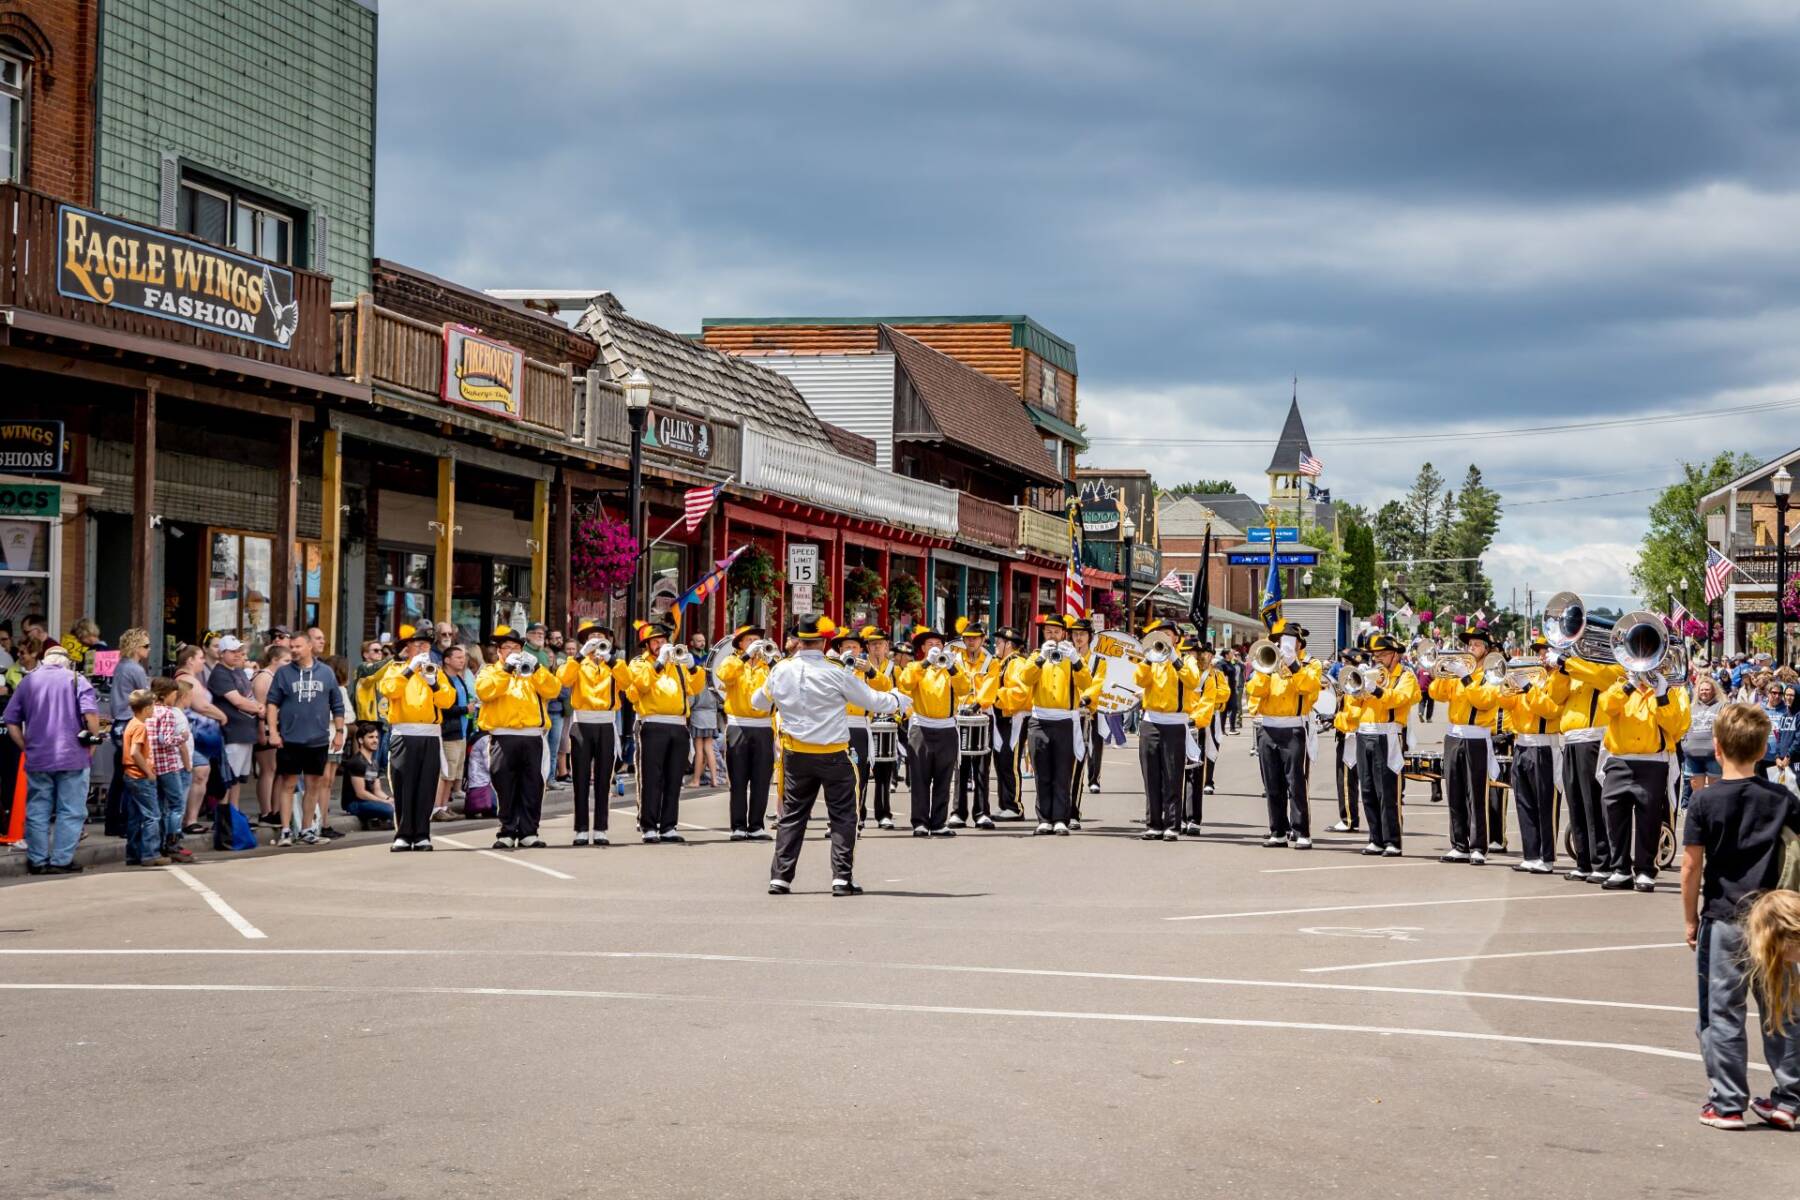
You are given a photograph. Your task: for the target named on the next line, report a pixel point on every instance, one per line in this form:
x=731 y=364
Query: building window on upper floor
x=1054 y=448
x=1047 y=393
x=227 y=216
x=1184 y=581
x=12 y=117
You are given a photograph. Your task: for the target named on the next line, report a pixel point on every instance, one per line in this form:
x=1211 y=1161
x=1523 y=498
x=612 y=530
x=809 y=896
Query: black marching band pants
x=1162 y=756
x=1096 y=744
x=415 y=764
x=1007 y=749
x=662 y=764
x=1465 y=788
x=1053 y=766
x=972 y=774
x=1200 y=775
x=1581 y=792
x=859 y=759
x=1636 y=798
x=1534 y=798
x=592 y=749
x=1282 y=760
x=1349 y=798
x=516 y=767
x=1380 y=789
x=749 y=765
x=802 y=778
x=931 y=768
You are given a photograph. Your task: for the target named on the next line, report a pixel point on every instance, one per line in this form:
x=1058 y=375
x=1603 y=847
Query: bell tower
x=1285 y=488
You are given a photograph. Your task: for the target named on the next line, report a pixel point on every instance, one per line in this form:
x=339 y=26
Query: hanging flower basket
x=904 y=595
x=602 y=555
x=1425 y=616
x=863 y=586
x=755 y=571
x=1106 y=604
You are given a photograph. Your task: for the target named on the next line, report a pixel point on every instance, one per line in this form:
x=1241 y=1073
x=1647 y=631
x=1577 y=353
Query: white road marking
x=1415 y=962
x=872 y=1006
x=941 y=968
x=1289 y=912
x=505 y=858
x=1393 y=933
x=217 y=903
x=1347 y=867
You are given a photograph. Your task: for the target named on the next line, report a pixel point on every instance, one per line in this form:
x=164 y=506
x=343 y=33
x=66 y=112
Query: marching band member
x=814 y=696
x=1008 y=697
x=416 y=696
x=1382 y=716
x=1056 y=678
x=514 y=691
x=972 y=773
x=936 y=687
x=1283 y=701
x=1531 y=717
x=1081 y=633
x=1473 y=706
x=1646 y=718
x=664 y=682
x=882 y=674
x=749 y=732
x=1578 y=685
x=1344 y=723
x=846 y=648
x=1163 y=733
x=1206 y=709
x=594 y=681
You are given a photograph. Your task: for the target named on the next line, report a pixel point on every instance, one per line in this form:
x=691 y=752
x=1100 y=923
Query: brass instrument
x=682 y=657
x=1423 y=651
x=1640 y=643
x=1265 y=658
x=1493 y=668
x=1571 y=630
x=1454 y=664
x=937 y=656
x=1356 y=681
x=1159 y=646
x=1523 y=674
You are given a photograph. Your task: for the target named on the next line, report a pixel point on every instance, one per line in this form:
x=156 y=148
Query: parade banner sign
x=1122 y=653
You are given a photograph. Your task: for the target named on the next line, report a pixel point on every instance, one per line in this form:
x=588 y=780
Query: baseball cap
x=229 y=643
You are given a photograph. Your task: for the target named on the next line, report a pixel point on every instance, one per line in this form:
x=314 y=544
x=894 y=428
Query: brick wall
x=58 y=40
x=427 y=298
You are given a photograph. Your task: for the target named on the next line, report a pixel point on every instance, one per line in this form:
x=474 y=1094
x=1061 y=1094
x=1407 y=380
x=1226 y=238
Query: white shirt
x=810 y=692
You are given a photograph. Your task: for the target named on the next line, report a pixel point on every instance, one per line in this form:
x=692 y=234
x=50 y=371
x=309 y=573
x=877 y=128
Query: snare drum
x=884 y=741
x=975 y=733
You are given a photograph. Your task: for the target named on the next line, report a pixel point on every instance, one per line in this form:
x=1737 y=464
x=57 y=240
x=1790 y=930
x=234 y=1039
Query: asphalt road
x=1000 y=1015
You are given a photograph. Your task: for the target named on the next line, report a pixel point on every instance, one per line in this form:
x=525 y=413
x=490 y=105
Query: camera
x=89 y=738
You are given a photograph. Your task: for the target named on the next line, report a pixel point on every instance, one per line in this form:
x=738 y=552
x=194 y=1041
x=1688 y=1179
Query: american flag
x=1310 y=465
x=1074 y=584
x=1679 y=614
x=697 y=502
x=1718 y=573
x=1171 y=581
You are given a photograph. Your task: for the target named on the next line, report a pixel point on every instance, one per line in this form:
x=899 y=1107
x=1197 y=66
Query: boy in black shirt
x=1731 y=852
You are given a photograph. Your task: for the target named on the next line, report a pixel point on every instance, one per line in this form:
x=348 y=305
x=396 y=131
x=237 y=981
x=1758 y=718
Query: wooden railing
x=983 y=521
x=29 y=256
x=606 y=427
x=1044 y=533
x=375 y=345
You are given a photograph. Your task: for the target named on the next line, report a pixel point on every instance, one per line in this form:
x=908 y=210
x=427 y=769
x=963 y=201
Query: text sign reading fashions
x=689 y=437
x=30 y=500
x=482 y=373
x=1283 y=533
x=119 y=264
x=31 y=447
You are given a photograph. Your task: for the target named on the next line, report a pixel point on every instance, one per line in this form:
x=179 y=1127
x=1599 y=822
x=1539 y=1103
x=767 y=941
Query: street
x=999 y=1015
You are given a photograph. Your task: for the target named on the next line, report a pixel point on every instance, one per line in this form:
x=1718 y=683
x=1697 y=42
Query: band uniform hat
x=813 y=627
x=743 y=631
x=903 y=647
x=845 y=634
x=1469 y=633
x=409 y=635
x=1084 y=624
x=1299 y=633
x=1382 y=642
x=645 y=630
x=924 y=633
x=589 y=628
x=1541 y=643
x=1047 y=619
x=1156 y=623
x=969 y=627
x=504 y=634
x=1008 y=633
x=870 y=633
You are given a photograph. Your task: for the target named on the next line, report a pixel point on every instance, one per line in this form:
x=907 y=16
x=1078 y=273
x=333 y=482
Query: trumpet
x=681 y=656
x=1265 y=658
x=1057 y=651
x=855 y=662
x=1456 y=664
x=937 y=656
x=1523 y=674
x=1423 y=651
x=764 y=650
x=1356 y=681
x=1159 y=647
x=602 y=649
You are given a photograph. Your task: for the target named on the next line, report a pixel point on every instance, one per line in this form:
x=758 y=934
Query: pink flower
x=1425 y=616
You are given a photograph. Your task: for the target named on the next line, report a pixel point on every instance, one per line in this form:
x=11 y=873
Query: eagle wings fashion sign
x=121 y=265
x=482 y=373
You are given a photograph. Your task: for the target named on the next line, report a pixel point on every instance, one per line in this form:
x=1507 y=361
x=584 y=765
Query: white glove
x=592 y=646
x=1662 y=685
x=665 y=654
x=905 y=701
x=523 y=662
x=419 y=662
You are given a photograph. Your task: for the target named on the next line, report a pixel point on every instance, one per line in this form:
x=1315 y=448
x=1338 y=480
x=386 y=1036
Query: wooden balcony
x=987 y=523
x=1043 y=533
x=105 y=290
x=376 y=346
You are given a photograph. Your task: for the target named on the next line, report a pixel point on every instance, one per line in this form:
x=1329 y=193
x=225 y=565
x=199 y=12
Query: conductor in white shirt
x=810 y=692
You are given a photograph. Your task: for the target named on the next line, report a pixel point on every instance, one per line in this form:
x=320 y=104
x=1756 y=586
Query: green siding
x=275 y=95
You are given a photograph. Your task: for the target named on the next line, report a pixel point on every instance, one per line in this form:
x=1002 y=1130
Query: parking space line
x=1289 y=912
x=217 y=903
x=1417 y=962
x=505 y=858
x=876 y=1006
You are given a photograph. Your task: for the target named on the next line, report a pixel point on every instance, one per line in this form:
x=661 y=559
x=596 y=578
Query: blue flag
x=1270 y=608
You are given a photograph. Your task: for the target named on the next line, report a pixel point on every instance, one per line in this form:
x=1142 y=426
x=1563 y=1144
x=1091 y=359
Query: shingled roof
x=681 y=369
x=973 y=411
x=1293 y=443
x=1188 y=516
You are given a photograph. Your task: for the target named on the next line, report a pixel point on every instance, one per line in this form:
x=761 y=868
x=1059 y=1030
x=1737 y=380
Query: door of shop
x=487 y=591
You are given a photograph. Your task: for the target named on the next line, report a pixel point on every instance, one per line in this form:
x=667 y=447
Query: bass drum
x=1666 y=846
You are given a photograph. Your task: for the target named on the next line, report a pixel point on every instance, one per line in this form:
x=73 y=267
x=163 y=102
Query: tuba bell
x=1571 y=629
x=1640 y=643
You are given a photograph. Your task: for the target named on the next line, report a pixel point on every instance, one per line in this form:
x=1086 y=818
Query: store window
x=309 y=574
x=1184 y=582
x=512 y=594
x=25 y=568
x=239 y=576
x=12 y=119
x=403 y=596
x=227 y=216
x=665 y=577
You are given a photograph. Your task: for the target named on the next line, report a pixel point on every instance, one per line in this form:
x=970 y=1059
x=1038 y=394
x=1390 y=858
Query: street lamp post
x=1384 y=605
x=1306 y=583
x=1783 y=483
x=1681 y=586
x=637 y=413
x=1128 y=538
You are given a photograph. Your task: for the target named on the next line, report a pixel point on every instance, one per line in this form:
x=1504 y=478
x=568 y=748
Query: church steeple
x=1293 y=441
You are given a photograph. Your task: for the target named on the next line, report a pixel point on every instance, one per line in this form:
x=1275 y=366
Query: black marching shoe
x=843 y=887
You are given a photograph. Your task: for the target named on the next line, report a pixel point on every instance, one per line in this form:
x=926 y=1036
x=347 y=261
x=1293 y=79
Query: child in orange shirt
x=143 y=810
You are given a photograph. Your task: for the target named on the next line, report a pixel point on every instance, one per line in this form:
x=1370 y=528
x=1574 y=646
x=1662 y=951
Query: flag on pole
x=1718 y=573
x=1680 y=615
x=1170 y=582
x=1074 y=582
x=697 y=502
x=1270 y=609
x=1311 y=466
x=1405 y=613
x=706 y=585
x=1200 y=605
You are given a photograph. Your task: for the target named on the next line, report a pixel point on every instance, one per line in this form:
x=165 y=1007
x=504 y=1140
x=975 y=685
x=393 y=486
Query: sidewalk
x=98 y=850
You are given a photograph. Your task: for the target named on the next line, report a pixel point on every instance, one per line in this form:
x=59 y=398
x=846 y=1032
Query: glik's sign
x=689 y=437
x=482 y=373
x=121 y=265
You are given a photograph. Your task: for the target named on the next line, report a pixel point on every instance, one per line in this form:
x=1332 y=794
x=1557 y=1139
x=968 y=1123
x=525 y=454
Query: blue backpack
x=234 y=830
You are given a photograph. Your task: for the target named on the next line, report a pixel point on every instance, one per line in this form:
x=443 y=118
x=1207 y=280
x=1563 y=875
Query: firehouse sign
x=482 y=373
x=118 y=264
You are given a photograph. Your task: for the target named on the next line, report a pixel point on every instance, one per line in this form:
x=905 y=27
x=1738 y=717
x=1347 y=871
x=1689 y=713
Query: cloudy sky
x=1442 y=216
